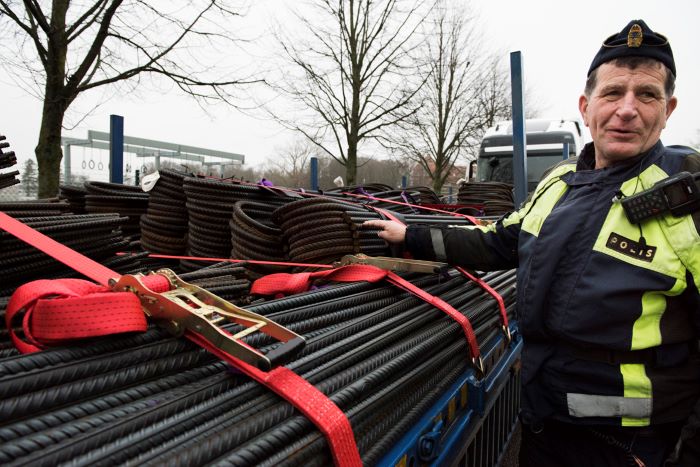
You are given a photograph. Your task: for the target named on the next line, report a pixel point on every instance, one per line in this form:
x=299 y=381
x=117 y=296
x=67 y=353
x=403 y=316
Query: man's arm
x=485 y=248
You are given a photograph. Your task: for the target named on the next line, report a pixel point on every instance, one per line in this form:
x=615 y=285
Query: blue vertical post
x=314 y=173
x=519 y=138
x=404 y=181
x=116 y=149
x=566 y=151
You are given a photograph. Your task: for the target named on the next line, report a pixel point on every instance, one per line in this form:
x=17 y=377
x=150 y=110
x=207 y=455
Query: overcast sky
x=557 y=38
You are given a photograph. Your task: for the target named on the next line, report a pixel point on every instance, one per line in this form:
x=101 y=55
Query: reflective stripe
x=637 y=387
x=591 y=405
x=438 y=245
x=646 y=331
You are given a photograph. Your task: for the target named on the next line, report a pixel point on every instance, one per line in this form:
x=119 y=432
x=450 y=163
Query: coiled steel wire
x=255 y=236
x=427 y=195
x=496 y=197
x=298 y=218
x=7 y=159
x=164 y=225
x=128 y=201
x=210 y=205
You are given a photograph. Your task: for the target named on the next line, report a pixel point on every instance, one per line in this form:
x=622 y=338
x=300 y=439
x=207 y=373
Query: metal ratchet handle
x=187 y=307
x=394 y=264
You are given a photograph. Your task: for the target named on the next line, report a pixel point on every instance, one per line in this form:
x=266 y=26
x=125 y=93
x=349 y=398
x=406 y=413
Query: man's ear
x=671 y=106
x=583 y=108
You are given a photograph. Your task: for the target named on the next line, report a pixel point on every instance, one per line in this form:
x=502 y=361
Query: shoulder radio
x=677 y=194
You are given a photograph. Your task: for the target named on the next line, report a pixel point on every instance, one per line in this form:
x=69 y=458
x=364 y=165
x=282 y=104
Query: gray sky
x=557 y=38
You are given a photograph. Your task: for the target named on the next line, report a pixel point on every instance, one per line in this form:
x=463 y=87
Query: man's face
x=626 y=111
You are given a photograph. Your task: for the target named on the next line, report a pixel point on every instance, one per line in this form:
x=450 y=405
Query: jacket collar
x=621 y=170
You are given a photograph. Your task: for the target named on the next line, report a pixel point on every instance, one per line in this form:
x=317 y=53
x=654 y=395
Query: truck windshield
x=500 y=168
x=495 y=162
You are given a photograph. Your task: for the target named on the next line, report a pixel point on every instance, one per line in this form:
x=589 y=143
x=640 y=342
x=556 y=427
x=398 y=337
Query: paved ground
x=510 y=458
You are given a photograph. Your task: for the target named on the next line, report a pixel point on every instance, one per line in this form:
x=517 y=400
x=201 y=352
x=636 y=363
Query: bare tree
x=291 y=165
x=386 y=171
x=67 y=48
x=465 y=92
x=348 y=79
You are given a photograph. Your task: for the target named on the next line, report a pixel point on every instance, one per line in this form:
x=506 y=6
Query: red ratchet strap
x=65 y=309
x=491 y=291
x=315 y=405
x=79 y=309
x=56 y=311
x=58 y=251
x=295 y=283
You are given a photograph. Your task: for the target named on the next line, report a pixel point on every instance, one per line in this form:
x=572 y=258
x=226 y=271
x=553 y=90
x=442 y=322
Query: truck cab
x=545 y=147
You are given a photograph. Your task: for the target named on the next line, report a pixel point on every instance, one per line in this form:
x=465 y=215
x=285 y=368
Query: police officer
x=609 y=309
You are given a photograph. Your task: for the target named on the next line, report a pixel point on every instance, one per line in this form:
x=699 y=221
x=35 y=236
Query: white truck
x=545 y=147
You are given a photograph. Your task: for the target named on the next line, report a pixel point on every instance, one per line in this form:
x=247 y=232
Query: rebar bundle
x=97 y=236
x=404 y=197
x=317 y=230
x=255 y=236
x=426 y=194
x=381 y=355
x=34 y=208
x=7 y=159
x=210 y=208
x=164 y=226
x=496 y=197
x=128 y=201
x=75 y=195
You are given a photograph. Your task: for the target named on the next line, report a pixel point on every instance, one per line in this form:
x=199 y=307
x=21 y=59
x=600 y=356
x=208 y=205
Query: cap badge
x=634 y=36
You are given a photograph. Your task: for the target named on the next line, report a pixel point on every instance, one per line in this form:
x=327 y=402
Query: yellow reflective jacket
x=609 y=310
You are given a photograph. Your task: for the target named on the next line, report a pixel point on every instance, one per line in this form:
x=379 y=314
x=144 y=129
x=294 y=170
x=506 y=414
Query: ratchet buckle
x=393 y=264
x=187 y=307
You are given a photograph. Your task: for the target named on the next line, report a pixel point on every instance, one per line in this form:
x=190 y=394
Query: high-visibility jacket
x=609 y=310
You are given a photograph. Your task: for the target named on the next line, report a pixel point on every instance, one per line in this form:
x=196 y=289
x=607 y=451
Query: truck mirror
x=472 y=170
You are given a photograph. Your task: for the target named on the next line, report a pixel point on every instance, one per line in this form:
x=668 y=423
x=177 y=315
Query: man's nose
x=628 y=106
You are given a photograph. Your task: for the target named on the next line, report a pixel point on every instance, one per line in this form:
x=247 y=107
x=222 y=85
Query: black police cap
x=635 y=40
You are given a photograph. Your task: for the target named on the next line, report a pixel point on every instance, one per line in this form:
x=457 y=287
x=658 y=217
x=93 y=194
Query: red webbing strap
x=295 y=283
x=60 y=310
x=443 y=306
x=304 y=396
x=387 y=214
x=490 y=290
x=58 y=251
x=289 y=284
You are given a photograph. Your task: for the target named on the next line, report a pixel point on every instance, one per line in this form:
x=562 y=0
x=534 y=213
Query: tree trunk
x=48 y=150
x=351 y=164
x=437 y=185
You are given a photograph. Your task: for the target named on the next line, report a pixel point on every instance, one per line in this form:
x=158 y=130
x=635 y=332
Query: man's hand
x=391 y=231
